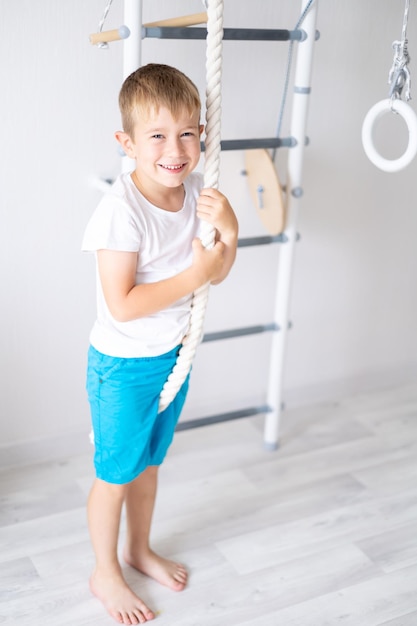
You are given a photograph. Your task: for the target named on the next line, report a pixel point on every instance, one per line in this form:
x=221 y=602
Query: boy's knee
x=113 y=489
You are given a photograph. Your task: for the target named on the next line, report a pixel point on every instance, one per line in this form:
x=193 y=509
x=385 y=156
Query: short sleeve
x=112 y=226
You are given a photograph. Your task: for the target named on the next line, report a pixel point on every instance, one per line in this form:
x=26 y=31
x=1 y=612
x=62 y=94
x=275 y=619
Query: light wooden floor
x=321 y=533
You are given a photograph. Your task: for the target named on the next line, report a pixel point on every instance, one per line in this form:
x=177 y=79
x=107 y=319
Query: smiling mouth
x=173 y=168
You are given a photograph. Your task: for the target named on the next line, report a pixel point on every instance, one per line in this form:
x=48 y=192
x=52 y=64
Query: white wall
x=354 y=300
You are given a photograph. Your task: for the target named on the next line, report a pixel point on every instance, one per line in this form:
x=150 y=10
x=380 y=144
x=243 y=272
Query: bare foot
x=119 y=600
x=168 y=573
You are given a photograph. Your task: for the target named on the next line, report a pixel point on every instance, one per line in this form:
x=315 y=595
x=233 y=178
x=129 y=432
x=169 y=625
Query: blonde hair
x=155 y=85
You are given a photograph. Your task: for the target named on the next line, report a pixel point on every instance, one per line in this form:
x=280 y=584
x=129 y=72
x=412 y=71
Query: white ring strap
x=409 y=117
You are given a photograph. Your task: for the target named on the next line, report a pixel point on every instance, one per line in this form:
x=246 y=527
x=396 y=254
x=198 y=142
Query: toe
x=144 y=614
x=118 y=617
x=178 y=585
x=181 y=575
x=134 y=618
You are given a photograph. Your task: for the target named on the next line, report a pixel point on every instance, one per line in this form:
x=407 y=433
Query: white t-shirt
x=125 y=220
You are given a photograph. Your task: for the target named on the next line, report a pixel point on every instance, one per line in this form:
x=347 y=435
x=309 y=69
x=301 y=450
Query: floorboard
x=320 y=533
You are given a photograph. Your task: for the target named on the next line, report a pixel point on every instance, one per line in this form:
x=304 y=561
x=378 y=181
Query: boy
x=149 y=262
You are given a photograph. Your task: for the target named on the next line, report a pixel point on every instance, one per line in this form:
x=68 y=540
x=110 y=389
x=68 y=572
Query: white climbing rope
x=211 y=180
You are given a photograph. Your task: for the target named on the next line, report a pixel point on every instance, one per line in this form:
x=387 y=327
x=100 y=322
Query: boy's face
x=166 y=150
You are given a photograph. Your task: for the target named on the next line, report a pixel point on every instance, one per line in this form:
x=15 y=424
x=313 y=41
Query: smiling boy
x=149 y=262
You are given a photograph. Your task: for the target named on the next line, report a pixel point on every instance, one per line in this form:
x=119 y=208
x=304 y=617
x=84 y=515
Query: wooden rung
x=186 y=20
x=110 y=35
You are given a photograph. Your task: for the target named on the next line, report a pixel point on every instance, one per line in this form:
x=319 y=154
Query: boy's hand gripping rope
x=211 y=180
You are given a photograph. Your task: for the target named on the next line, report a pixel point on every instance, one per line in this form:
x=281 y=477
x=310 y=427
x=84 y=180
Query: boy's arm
x=214 y=208
x=127 y=301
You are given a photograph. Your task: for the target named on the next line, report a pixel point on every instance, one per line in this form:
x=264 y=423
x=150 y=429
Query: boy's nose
x=174 y=146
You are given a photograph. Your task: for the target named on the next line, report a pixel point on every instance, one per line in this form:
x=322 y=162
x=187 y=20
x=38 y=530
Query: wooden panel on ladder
x=265 y=190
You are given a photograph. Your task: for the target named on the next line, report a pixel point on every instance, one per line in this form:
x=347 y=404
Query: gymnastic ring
x=410 y=118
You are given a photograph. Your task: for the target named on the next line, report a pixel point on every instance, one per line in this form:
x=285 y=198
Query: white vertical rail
x=132 y=53
x=132 y=46
x=294 y=192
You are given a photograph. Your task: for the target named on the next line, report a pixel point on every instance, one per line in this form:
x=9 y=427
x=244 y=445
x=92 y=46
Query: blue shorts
x=129 y=434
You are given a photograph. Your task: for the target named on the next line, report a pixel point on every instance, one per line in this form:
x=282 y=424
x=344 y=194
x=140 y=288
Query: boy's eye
x=187 y=133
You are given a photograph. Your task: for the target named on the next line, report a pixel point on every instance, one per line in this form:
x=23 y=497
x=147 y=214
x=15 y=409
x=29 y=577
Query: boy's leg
x=140 y=501
x=107 y=582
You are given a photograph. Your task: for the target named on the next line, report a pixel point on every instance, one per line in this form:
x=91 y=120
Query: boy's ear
x=201 y=129
x=125 y=142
